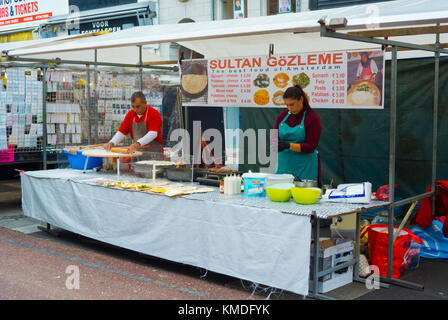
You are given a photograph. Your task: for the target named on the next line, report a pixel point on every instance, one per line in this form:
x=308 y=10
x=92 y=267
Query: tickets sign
x=16 y=13
x=343 y=79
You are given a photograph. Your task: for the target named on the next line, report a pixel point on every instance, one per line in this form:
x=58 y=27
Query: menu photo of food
x=194 y=81
x=277 y=98
x=281 y=80
x=262 y=80
x=301 y=79
x=365 y=78
x=261 y=97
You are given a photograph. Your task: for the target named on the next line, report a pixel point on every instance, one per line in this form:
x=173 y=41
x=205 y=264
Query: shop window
x=230 y=9
x=84 y=5
x=326 y=4
x=224 y=9
x=239 y=9
x=282 y=6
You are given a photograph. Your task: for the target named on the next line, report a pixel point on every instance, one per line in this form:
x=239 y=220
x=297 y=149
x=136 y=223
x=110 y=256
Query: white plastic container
x=279 y=178
x=254 y=184
x=350 y=193
x=232 y=185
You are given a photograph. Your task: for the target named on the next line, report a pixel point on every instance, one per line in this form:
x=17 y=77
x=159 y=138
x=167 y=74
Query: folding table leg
x=48 y=230
x=316 y=237
x=85 y=165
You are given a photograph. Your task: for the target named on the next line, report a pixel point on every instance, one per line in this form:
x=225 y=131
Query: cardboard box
x=333 y=252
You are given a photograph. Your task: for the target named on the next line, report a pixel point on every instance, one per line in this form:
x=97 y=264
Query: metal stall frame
x=75 y=65
x=326 y=31
x=44 y=65
x=369 y=37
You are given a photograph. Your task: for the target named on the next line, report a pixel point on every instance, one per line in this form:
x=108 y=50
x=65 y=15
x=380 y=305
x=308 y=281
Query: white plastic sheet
x=290 y=33
x=259 y=245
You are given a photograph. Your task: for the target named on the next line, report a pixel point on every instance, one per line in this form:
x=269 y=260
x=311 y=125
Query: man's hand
x=133 y=147
x=108 y=146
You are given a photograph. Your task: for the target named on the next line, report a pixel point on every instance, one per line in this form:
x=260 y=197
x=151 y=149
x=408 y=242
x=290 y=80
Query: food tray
x=158 y=163
x=180 y=174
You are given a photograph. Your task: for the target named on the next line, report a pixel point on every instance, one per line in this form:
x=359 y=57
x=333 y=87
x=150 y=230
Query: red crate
x=7 y=155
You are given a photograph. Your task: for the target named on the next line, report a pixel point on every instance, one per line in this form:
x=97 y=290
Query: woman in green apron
x=299 y=130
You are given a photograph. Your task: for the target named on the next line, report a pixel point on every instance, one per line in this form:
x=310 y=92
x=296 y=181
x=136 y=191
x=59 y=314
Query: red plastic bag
x=383 y=192
x=378 y=248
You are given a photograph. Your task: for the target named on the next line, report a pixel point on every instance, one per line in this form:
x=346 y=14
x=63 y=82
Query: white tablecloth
x=261 y=245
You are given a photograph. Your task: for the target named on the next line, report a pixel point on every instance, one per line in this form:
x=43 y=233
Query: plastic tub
x=279 y=178
x=78 y=161
x=254 y=184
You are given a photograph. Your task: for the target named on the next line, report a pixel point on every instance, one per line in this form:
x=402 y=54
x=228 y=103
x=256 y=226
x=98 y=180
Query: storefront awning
x=289 y=33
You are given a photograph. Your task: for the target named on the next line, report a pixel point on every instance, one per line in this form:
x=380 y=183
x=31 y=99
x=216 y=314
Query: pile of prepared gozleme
x=161 y=187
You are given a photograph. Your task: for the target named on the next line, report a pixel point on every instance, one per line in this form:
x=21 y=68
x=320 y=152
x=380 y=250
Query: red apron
x=366 y=73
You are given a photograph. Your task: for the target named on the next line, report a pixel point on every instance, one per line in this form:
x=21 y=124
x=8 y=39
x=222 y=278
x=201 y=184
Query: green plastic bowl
x=279 y=192
x=305 y=195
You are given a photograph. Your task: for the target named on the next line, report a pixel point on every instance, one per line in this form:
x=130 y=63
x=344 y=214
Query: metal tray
x=180 y=174
x=209 y=181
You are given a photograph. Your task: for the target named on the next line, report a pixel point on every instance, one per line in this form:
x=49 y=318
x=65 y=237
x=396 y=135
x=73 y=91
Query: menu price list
x=328 y=89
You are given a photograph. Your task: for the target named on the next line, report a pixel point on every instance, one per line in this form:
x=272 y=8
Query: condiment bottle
x=221 y=186
x=226 y=185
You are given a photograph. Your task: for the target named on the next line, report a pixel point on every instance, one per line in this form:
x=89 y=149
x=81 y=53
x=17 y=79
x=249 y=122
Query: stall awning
x=294 y=32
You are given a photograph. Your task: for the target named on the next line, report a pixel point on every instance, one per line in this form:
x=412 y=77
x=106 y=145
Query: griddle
x=210 y=178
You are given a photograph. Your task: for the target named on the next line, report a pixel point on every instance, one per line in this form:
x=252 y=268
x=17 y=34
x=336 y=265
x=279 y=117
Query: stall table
x=248 y=238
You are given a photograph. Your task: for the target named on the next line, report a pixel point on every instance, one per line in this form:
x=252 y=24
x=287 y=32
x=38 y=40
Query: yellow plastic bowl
x=279 y=192
x=305 y=195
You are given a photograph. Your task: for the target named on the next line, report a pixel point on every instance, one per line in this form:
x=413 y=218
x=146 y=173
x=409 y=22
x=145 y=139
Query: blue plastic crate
x=398 y=211
x=78 y=161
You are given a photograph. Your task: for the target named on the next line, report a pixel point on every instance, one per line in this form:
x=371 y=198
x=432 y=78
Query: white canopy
x=290 y=33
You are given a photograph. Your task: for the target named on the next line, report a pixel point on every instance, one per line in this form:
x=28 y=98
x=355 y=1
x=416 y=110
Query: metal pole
x=392 y=137
x=332 y=34
x=106 y=64
x=435 y=124
x=89 y=131
x=44 y=117
x=95 y=101
x=73 y=68
x=140 y=61
x=410 y=199
x=357 y=245
x=316 y=256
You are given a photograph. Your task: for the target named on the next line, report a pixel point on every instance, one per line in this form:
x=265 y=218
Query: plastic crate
x=78 y=161
x=7 y=155
x=398 y=211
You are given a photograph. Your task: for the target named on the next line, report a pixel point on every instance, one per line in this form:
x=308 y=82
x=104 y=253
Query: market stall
x=225 y=234
x=222 y=39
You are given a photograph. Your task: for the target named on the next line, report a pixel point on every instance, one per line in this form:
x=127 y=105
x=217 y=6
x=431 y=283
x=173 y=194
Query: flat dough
x=194 y=83
x=108 y=154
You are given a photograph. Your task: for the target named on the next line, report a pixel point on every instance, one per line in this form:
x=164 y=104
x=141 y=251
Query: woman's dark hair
x=296 y=92
x=367 y=62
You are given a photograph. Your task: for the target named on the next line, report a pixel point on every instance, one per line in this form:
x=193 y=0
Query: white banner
x=340 y=79
x=23 y=13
